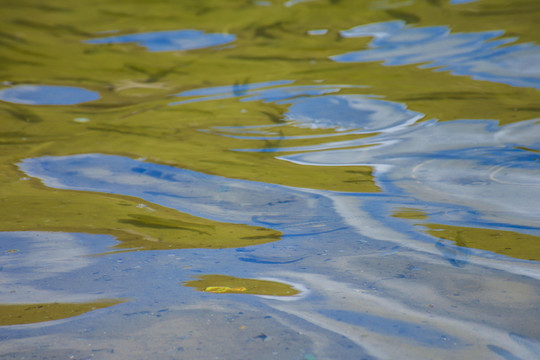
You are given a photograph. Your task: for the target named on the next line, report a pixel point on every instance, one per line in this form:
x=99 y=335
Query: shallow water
x=270 y=179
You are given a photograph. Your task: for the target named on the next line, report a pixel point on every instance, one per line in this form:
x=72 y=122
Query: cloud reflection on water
x=30 y=259
x=472 y=163
x=480 y=55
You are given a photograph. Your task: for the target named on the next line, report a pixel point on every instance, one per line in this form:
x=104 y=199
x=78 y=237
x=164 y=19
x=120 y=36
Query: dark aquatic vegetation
x=322 y=179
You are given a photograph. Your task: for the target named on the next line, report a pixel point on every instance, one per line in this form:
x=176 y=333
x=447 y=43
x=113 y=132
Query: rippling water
x=303 y=179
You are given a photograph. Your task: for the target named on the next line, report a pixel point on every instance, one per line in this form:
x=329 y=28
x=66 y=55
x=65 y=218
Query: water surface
x=270 y=179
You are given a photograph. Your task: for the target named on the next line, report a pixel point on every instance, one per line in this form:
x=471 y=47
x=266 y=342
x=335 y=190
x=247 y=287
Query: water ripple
x=472 y=163
x=228 y=200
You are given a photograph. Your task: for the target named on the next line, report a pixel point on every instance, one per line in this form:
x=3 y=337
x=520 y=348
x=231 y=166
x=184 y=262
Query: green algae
x=509 y=243
x=409 y=213
x=135 y=223
x=19 y=314
x=234 y=285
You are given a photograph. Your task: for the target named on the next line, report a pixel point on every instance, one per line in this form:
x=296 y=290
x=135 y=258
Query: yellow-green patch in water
x=235 y=285
x=18 y=314
x=509 y=243
x=136 y=224
x=409 y=213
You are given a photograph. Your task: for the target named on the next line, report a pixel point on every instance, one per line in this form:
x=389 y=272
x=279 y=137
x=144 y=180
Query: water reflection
x=458 y=162
x=47 y=95
x=32 y=262
x=311 y=107
x=509 y=243
x=29 y=256
x=169 y=40
x=303 y=211
x=285 y=209
x=433 y=262
x=348 y=112
x=481 y=55
x=388 y=328
x=379 y=324
x=488 y=173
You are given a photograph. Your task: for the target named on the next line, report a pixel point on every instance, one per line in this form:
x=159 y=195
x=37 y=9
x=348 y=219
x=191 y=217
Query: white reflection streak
x=350 y=209
x=378 y=344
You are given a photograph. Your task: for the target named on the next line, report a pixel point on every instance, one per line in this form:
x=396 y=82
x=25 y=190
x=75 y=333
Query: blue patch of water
x=480 y=55
x=393 y=327
x=169 y=40
x=503 y=353
x=461 y=1
x=348 y=112
x=47 y=95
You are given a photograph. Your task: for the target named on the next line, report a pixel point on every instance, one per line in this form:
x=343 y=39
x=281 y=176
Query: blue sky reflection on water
x=174 y=40
x=480 y=55
x=485 y=167
x=47 y=95
x=464 y=172
x=299 y=213
x=221 y=199
x=426 y=335
x=31 y=257
x=467 y=162
x=304 y=212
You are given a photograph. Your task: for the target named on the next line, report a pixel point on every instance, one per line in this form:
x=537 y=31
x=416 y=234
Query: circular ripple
x=516 y=175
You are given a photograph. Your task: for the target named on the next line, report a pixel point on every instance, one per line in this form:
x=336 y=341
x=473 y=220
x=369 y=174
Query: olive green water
x=43 y=43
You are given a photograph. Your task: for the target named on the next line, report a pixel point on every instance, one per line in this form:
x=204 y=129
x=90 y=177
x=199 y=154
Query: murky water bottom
x=270 y=180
